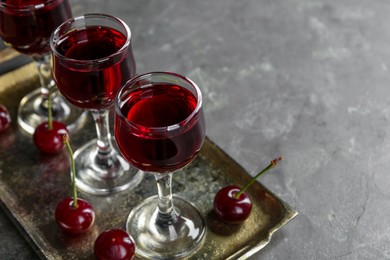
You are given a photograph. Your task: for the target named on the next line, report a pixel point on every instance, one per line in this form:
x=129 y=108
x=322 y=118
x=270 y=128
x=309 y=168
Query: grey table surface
x=306 y=79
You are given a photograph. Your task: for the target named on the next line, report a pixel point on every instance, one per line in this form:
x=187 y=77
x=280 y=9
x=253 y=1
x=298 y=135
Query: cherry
x=74 y=219
x=74 y=215
x=114 y=244
x=229 y=208
x=48 y=135
x=48 y=138
x=5 y=118
x=232 y=205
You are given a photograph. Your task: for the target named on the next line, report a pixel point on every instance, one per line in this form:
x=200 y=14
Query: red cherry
x=50 y=141
x=230 y=209
x=114 y=244
x=232 y=205
x=74 y=220
x=5 y=118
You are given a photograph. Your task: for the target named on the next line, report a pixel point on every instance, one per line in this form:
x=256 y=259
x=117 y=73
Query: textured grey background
x=306 y=79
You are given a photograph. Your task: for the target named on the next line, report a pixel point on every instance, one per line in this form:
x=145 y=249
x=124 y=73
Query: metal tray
x=31 y=185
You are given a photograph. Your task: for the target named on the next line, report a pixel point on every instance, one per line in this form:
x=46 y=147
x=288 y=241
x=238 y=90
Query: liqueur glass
x=92 y=60
x=160 y=113
x=26 y=26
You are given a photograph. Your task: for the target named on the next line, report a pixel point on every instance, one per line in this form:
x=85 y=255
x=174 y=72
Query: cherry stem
x=66 y=142
x=249 y=183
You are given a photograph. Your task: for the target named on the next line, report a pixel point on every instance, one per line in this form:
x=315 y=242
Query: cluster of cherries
x=72 y=214
x=75 y=216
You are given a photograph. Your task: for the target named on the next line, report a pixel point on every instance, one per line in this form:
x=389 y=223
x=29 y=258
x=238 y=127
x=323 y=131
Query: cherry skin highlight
x=114 y=244
x=50 y=141
x=5 y=118
x=230 y=209
x=74 y=220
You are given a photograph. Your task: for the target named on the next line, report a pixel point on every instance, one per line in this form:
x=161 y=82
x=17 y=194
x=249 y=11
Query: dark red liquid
x=160 y=106
x=92 y=86
x=29 y=31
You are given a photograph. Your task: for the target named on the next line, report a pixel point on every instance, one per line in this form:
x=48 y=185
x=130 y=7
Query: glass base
x=95 y=177
x=169 y=240
x=32 y=112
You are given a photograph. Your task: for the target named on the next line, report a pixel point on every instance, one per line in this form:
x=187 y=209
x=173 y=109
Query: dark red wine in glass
x=159 y=127
x=26 y=26
x=92 y=60
x=159 y=105
x=93 y=88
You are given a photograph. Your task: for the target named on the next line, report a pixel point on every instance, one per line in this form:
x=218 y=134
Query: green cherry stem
x=249 y=183
x=66 y=142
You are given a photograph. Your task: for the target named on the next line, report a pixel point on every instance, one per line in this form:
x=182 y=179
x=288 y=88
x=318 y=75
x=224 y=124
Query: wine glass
x=160 y=113
x=26 y=26
x=92 y=59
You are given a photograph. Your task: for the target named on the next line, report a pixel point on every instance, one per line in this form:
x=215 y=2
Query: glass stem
x=104 y=145
x=166 y=213
x=43 y=64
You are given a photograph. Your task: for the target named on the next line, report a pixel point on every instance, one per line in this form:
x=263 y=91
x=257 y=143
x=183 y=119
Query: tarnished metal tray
x=31 y=185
